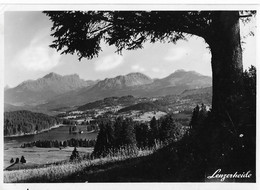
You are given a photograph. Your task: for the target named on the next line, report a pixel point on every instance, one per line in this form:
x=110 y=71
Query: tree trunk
x=227 y=68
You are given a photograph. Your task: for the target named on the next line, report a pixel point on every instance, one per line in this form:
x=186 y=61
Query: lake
x=34 y=155
x=60 y=134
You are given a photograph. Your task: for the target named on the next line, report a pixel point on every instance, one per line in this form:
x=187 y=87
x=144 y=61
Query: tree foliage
x=105 y=139
x=81 y=32
x=21 y=122
x=22 y=160
x=142 y=135
x=59 y=144
x=228 y=144
x=170 y=130
x=128 y=134
x=17 y=160
x=12 y=160
x=198 y=116
x=74 y=155
x=114 y=135
x=154 y=127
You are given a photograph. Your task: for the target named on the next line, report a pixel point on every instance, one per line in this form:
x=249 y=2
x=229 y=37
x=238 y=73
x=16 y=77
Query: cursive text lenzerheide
x=222 y=176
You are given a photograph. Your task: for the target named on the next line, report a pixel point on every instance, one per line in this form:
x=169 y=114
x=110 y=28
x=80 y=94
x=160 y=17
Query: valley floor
x=40 y=156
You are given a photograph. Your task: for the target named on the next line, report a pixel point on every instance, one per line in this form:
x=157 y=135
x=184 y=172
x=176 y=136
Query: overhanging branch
x=245 y=16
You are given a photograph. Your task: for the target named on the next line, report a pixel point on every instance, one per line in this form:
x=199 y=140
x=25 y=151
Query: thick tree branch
x=245 y=16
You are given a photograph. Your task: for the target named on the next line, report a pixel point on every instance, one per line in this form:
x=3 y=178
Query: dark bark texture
x=226 y=61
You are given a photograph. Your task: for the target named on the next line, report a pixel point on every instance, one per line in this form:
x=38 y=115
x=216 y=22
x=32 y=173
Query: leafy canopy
x=81 y=32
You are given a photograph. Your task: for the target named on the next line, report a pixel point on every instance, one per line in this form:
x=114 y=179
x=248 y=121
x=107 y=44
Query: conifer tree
x=154 y=127
x=170 y=129
x=74 y=155
x=142 y=135
x=128 y=132
x=22 y=160
x=12 y=160
x=105 y=140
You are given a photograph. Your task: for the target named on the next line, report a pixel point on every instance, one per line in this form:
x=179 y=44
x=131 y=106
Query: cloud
x=38 y=56
x=176 y=53
x=137 y=68
x=108 y=62
x=156 y=70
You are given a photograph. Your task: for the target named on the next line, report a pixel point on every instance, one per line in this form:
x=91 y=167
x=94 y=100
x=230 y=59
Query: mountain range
x=43 y=89
x=54 y=91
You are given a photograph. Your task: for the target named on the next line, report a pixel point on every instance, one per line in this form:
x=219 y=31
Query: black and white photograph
x=144 y=95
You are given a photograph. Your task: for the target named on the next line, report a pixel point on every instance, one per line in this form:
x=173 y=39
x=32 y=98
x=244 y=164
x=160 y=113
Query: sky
x=28 y=56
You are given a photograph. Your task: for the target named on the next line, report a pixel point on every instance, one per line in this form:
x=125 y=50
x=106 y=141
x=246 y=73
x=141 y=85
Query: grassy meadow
x=41 y=156
x=67 y=171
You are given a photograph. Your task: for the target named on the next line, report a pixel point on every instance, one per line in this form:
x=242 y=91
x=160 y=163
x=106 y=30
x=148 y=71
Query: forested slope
x=26 y=122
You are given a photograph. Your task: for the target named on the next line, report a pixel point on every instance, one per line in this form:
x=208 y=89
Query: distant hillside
x=203 y=95
x=143 y=106
x=41 y=90
x=197 y=91
x=110 y=101
x=27 y=122
x=9 y=107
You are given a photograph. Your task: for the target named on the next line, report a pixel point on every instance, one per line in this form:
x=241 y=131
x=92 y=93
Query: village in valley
x=139 y=109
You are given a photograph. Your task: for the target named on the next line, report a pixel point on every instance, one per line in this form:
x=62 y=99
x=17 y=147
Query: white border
x=136 y=2
x=129 y=6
